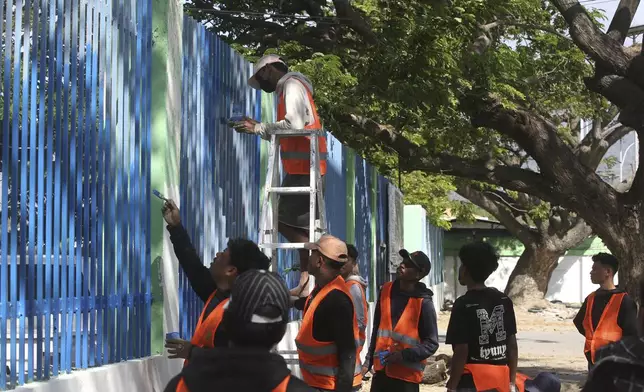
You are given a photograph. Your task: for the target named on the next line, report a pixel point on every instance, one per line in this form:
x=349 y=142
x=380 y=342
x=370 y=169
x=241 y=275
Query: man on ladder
x=295 y=111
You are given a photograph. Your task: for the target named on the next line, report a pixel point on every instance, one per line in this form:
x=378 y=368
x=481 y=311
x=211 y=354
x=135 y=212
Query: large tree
x=546 y=231
x=452 y=88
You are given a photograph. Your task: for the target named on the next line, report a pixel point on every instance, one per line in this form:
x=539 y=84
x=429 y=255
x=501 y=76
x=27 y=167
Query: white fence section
x=570 y=282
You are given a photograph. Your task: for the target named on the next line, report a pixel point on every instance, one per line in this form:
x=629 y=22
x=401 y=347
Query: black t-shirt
x=484 y=320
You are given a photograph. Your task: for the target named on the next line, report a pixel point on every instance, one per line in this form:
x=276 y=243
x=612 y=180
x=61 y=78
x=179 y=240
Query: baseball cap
x=331 y=247
x=419 y=259
x=261 y=63
x=259 y=297
x=543 y=382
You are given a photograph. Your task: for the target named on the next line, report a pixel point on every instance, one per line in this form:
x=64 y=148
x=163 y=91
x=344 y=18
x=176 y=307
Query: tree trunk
x=624 y=237
x=529 y=280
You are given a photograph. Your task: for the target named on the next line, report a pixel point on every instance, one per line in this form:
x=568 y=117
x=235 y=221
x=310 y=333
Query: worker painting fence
x=219 y=168
x=75 y=162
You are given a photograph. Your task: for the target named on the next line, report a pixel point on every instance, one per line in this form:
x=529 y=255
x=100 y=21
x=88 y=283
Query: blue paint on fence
x=363 y=215
x=336 y=188
x=219 y=186
x=382 y=230
x=74 y=195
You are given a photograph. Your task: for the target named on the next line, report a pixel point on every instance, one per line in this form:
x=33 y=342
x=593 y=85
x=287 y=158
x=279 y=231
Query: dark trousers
x=382 y=383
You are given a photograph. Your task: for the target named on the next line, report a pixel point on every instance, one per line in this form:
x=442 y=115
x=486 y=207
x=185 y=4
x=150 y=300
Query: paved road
x=565 y=350
x=565 y=343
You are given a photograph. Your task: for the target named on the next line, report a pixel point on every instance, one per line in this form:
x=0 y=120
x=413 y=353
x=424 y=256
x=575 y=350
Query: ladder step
x=285 y=245
x=298 y=132
x=290 y=189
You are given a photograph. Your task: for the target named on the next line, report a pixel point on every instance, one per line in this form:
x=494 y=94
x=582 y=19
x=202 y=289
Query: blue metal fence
x=219 y=173
x=363 y=214
x=75 y=163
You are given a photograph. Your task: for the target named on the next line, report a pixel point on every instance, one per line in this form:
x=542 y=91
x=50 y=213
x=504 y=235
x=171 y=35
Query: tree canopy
x=464 y=89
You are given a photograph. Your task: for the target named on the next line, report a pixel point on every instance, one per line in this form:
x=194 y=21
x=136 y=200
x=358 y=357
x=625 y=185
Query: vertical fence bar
x=134 y=186
x=140 y=204
x=43 y=197
x=60 y=222
x=127 y=187
x=66 y=232
x=25 y=195
x=120 y=180
x=70 y=265
x=15 y=166
x=100 y=189
x=78 y=134
x=5 y=14
x=89 y=147
x=91 y=266
x=50 y=312
x=110 y=168
x=34 y=194
x=147 y=97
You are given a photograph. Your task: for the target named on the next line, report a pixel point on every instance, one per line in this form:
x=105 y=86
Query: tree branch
x=622 y=92
x=540 y=140
x=594 y=146
x=528 y=26
x=608 y=53
x=354 y=20
x=621 y=23
x=516 y=228
x=415 y=157
x=574 y=235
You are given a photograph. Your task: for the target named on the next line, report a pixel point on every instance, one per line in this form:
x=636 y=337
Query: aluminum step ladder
x=268 y=232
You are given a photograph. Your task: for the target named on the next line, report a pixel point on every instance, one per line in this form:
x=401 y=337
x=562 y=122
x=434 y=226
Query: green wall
x=167 y=18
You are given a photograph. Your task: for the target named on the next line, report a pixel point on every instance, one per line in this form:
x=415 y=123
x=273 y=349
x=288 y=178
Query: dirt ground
x=548 y=341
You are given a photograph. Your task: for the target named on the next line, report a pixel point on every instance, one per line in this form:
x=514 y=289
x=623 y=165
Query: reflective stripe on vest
x=282 y=387
x=403 y=335
x=607 y=330
x=295 y=151
x=207 y=329
x=319 y=360
x=489 y=377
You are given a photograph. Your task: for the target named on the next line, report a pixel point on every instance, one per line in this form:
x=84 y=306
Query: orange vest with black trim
x=296 y=150
x=399 y=337
x=489 y=377
x=182 y=387
x=362 y=335
x=319 y=360
x=608 y=330
x=520 y=381
x=206 y=329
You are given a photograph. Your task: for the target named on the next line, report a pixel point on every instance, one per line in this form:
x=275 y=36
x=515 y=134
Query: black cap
x=419 y=259
x=543 y=382
x=259 y=297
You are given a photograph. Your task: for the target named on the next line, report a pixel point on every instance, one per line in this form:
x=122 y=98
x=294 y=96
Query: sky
x=609 y=7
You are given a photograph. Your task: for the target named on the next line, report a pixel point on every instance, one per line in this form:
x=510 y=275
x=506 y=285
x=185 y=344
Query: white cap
x=261 y=63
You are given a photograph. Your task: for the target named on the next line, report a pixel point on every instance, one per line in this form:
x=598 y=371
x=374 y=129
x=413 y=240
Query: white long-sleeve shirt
x=299 y=112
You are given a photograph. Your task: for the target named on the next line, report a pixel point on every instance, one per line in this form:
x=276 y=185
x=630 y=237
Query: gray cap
x=261 y=63
x=259 y=297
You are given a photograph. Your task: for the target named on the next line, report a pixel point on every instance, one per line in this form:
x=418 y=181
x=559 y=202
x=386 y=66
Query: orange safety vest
x=296 y=150
x=403 y=335
x=206 y=329
x=608 y=330
x=520 y=381
x=319 y=360
x=181 y=386
x=362 y=335
x=489 y=377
